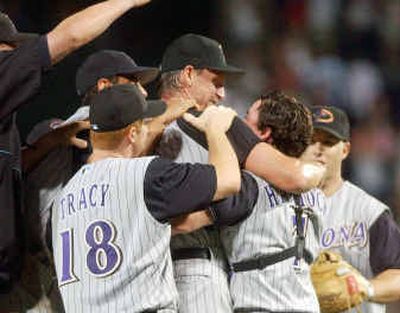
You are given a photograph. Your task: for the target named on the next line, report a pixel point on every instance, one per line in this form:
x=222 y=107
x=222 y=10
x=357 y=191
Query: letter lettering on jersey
x=272 y=197
x=328 y=238
x=62 y=202
x=344 y=235
x=359 y=237
x=70 y=200
x=352 y=235
x=82 y=200
x=92 y=193
x=104 y=190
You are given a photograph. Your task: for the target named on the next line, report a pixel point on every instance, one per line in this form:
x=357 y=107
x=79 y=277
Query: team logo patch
x=324 y=116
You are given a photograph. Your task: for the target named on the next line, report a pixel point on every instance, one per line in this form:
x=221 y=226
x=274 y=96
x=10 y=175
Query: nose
x=142 y=90
x=221 y=93
x=318 y=148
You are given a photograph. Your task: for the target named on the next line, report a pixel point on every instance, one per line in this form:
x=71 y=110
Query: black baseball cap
x=108 y=63
x=332 y=120
x=9 y=33
x=199 y=51
x=118 y=106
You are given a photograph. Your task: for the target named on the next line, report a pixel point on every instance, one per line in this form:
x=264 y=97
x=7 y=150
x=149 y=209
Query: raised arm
x=84 y=26
x=220 y=152
x=63 y=136
x=174 y=189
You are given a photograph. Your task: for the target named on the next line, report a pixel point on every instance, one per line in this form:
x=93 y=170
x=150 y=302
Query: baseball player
x=23 y=60
x=45 y=180
x=357 y=225
x=200 y=266
x=194 y=67
x=110 y=231
x=273 y=235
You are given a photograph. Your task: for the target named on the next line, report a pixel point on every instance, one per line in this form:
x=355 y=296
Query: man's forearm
x=226 y=164
x=190 y=222
x=286 y=173
x=84 y=26
x=386 y=286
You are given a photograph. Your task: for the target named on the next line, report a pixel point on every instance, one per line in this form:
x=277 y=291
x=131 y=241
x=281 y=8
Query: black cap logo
x=324 y=116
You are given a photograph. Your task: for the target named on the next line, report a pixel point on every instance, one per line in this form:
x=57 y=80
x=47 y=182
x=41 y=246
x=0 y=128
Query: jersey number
x=103 y=257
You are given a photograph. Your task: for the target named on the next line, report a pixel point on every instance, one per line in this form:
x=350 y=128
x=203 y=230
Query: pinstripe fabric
x=142 y=278
x=350 y=214
x=202 y=284
x=284 y=286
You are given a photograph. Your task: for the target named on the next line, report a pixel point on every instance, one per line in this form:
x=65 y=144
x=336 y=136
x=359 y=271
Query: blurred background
x=342 y=53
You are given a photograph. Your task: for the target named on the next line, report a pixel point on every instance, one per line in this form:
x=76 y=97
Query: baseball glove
x=338 y=285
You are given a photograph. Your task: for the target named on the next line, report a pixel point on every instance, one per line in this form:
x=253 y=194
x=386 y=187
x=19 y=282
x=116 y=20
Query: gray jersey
x=350 y=214
x=42 y=185
x=210 y=293
x=46 y=180
x=271 y=228
x=111 y=255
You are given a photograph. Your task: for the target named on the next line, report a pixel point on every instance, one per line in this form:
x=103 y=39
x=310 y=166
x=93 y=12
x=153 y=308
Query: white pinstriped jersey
x=192 y=152
x=111 y=255
x=200 y=296
x=350 y=214
x=284 y=286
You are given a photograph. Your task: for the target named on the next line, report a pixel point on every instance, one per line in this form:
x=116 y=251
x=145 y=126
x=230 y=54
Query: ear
x=266 y=134
x=187 y=75
x=132 y=134
x=103 y=83
x=346 y=149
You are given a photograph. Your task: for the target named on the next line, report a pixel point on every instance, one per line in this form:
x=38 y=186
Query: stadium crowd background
x=343 y=53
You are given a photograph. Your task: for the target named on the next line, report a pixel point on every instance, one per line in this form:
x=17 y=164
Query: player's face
x=103 y=83
x=133 y=81
x=251 y=118
x=207 y=88
x=327 y=150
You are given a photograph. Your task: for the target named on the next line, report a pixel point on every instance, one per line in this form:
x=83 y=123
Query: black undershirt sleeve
x=239 y=134
x=384 y=244
x=242 y=138
x=21 y=73
x=235 y=209
x=172 y=189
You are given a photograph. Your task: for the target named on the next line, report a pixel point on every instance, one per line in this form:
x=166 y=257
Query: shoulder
x=361 y=196
x=34 y=52
x=352 y=193
x=359 y=201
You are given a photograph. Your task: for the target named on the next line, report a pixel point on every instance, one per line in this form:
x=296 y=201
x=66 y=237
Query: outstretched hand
x=176 y=108
x=67 y=135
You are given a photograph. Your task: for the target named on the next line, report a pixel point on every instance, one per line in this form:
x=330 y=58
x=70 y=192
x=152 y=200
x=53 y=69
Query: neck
x=171 y=94
x=331 y=184
x=99 y=154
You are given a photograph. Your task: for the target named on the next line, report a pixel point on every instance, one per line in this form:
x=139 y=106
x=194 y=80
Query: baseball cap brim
x=144 y=74
x=228 y=69
x=330 y=131
x=155 y=108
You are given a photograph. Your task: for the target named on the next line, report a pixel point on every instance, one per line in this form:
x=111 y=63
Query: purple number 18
x=103 y=256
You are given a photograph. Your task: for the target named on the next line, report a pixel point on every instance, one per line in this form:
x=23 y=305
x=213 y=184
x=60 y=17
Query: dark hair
x=290 y=122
